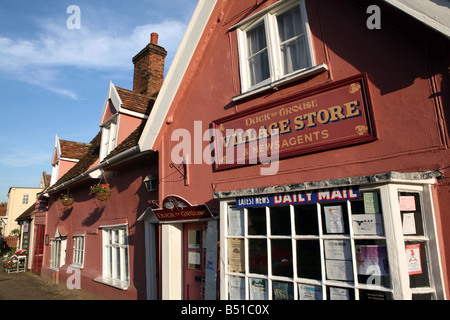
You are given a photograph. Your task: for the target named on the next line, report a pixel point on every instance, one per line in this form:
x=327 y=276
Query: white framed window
x=78 y=250
x=116 y=270
x=25 y=199
x=58 y=252
x=274 y=45
x=381 y=245
x=109 y=137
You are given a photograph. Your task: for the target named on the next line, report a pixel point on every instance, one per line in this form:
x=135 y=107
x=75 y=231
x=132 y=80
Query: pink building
x=98 y=245
x=356 y=110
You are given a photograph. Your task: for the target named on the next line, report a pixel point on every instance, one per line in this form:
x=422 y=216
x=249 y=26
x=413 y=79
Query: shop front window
x=332 y=250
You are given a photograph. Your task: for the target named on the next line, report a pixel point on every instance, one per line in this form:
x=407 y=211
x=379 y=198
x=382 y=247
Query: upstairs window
x=274 y=45
x=109 y=138
x=25 y=199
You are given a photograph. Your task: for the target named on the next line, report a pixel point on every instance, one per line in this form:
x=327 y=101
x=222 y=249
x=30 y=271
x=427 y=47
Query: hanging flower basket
x=101 y=191
x=66 y=199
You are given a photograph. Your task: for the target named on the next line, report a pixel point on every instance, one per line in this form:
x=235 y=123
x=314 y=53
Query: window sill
x=123 y=285
x=53 y=269
x=76 y=266
x=290 y=78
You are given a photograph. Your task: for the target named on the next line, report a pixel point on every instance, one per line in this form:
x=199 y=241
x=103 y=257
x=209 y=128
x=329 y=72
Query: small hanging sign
x=175 y=208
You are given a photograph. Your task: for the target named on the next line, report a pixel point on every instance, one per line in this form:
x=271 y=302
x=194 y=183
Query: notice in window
x=407 y=203
x=235 y=221
x=334 y=219
x=413 y=259
x=339 y=294
x=258 y=289
x=371 y=203
x=372 y=260
x=339 y=270
x=236 y=255
x=309 y=292
x=409 y=223
x=365 y=224
x=338 y=250
x=236 y=288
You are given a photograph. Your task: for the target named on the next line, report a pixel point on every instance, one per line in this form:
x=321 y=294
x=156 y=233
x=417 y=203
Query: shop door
x=38 y=249
x=194 y=239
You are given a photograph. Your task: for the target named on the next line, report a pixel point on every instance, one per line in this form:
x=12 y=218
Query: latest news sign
x=332 y=116
x=300 y=197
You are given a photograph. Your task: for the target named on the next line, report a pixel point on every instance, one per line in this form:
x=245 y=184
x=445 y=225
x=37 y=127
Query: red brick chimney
x=149 y=68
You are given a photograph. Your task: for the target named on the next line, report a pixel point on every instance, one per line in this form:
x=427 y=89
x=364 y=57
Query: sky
x=56 y=63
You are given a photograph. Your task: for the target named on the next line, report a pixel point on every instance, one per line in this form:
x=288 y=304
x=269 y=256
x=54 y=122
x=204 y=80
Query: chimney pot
x=154 y=38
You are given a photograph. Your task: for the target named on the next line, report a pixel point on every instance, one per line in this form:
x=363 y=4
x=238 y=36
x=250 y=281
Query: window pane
x=282 y=257
x=294 y=55
x=411 y=213
x=292 y=42
x=282 y=290
x=416 y=259
x=308 y=259
x=290 y=24
x=258 y=58
x=335 y=218
x=257 y=255
x=117 y=257
x=259 y=68
x=126 y=271
x=280 y=221
x=306 y=220
x=256 y=39
x=257 y=221
x=372 y=262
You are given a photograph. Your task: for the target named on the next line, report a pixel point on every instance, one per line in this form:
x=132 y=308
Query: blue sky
x=54 y=80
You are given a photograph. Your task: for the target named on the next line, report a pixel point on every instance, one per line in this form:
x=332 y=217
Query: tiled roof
x=135 y=102
x=27 y=213
x=83 y=165
x=72 y=149
x=2 y=211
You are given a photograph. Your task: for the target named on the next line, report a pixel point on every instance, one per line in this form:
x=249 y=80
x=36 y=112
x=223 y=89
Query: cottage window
x=274 y=46
x=78 y=250
x=58 y=252
x=109 y=137
x=379 y=246
x=115 y=257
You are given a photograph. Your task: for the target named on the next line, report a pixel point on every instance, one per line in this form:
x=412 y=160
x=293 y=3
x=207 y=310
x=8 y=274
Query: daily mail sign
x=301 y=197
x=328 y=117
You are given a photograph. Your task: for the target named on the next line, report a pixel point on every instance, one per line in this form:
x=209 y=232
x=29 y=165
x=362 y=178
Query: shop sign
x=300 y=197
x=175 y=208
x=332 y=116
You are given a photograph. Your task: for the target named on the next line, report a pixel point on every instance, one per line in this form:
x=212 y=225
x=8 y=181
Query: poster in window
x=236 y=255
x=338 y=249
x=339 y=270
x=236 y=288
x=339 y=294
x=235 y=221
x=372 y=260
x=334 y=219
x=407 y=203
x=413 y=259
x=409 y=223
x=282 y=290
x=309 y=292
x=371 y=203
x=258 y=289
x=367 y=224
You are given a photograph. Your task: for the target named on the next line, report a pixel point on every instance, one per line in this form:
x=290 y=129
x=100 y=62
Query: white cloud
x=41 y=61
